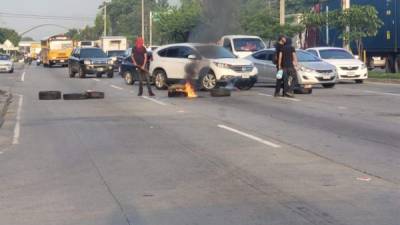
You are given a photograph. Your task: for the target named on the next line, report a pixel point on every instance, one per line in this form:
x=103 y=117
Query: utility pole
x=282 y=13
x=346 y=6
x=143 y=19
x=105 y=19
x=151 y=29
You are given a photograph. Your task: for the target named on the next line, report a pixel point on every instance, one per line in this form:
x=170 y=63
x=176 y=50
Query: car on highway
x=242 y=45
x=90 y=61
x=312 y=70
x=6 y=65
x=114 y=55
x=214 y=65
x=347 y=65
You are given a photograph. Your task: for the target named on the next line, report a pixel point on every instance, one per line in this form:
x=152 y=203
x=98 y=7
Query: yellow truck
x=35 y=50
x=56 y=50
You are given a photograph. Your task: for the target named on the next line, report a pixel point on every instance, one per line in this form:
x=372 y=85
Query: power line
x=43 y=17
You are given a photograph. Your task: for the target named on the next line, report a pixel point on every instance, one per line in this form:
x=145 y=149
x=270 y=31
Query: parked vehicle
x=56 y=50
x=348 y=67
x=6 y=65
x=90 y=61
x=242 y=45
x=386 y=44
x=312 y=70
x=114 y=54
x=213 y=65
x=112 y=43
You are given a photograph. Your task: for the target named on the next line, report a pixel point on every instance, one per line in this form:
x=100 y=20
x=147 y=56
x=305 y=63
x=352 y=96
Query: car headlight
x=87 y=62
x=110 y=61
x=223 y=65
x=305 y=69
x=363 y=66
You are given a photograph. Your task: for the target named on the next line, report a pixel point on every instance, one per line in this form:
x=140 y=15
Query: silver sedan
x=311 y=71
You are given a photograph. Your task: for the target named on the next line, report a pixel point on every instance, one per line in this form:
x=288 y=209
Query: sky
x=81 y=11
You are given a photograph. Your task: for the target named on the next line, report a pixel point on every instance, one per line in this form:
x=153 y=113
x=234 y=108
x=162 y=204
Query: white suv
x=348 y=67
x=213 y=65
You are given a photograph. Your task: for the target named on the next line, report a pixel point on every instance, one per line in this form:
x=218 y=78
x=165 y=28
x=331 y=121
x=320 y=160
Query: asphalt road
x=330 y=158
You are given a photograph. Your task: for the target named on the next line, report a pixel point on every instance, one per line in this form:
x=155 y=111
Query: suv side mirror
x=192 y=57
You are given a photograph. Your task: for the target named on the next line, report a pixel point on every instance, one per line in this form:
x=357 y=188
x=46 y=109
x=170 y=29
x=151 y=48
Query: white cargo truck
x=113 y=43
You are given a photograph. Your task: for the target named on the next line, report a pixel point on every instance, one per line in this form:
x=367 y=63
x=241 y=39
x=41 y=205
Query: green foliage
x=176 y=23
x=362 y=20
x=9 y=34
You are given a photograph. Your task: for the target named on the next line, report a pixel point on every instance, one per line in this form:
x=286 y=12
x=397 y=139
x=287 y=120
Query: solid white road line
x=154 y=100
x=254 y=138
x=97 y=80
x=17 y=128
x=23 y=76
x=116 y=87
x=289 y=99
x=382 y=93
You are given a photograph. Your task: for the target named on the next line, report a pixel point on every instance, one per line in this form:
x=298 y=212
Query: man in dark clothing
x=278 y=49
x=287 y=61
x=139 y=59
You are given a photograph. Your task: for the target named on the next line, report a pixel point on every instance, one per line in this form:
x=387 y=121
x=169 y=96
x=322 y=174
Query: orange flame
x=191 y=93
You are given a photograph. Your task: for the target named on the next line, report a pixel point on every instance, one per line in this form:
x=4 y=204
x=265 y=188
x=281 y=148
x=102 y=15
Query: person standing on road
x=278 y=49
x=139 y=59
x=287 y=61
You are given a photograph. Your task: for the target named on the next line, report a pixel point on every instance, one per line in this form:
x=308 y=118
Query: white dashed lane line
x=116 y=87
x=288 y=99
x=155 y=100
x=97 y=80
x=382 y=93
x=17 y=128
x=252 y=137
x=23 y=76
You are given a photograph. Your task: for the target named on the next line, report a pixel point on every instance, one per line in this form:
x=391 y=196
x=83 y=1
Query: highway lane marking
x=252 y=137
x=116 y=87
x=382 y=93
x=23 y=76
x=289 y=99
x=17 y=128
x=96 y=80
x=154 y=100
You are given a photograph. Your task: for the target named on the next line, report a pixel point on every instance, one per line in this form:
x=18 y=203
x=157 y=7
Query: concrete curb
x=385 y=81
x=5 y=100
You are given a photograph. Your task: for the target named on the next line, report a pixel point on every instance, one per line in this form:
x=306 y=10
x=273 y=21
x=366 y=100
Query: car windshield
x=4 y=57
x=115 y=53
x=306 y=57
x=214 y=52
x=93 y=53
x=335 y=54
x=248 y=44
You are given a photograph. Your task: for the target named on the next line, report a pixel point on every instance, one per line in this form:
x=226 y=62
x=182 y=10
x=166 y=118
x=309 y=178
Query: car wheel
x=12 y=70
x=129 y=79
x=110 y=74
x=71 y=73
x=208 y=81
x=160 y=80
x=81 y=73
x=247 y=84
x=359 y=81
x=328 y=85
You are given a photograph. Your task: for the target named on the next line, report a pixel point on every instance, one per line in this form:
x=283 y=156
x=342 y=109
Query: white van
x=242 y=45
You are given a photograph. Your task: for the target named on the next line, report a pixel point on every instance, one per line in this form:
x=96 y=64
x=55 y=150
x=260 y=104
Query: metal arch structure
x=43 y=25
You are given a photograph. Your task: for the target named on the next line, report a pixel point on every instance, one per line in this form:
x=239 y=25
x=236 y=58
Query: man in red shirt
x=139 y=59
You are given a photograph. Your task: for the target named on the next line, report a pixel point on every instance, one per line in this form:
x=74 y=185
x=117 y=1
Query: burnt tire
x=328 y=85
x=50 y=95
x=95 y=94
x=75 y=96
x=303 y=91
x=221 y=92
